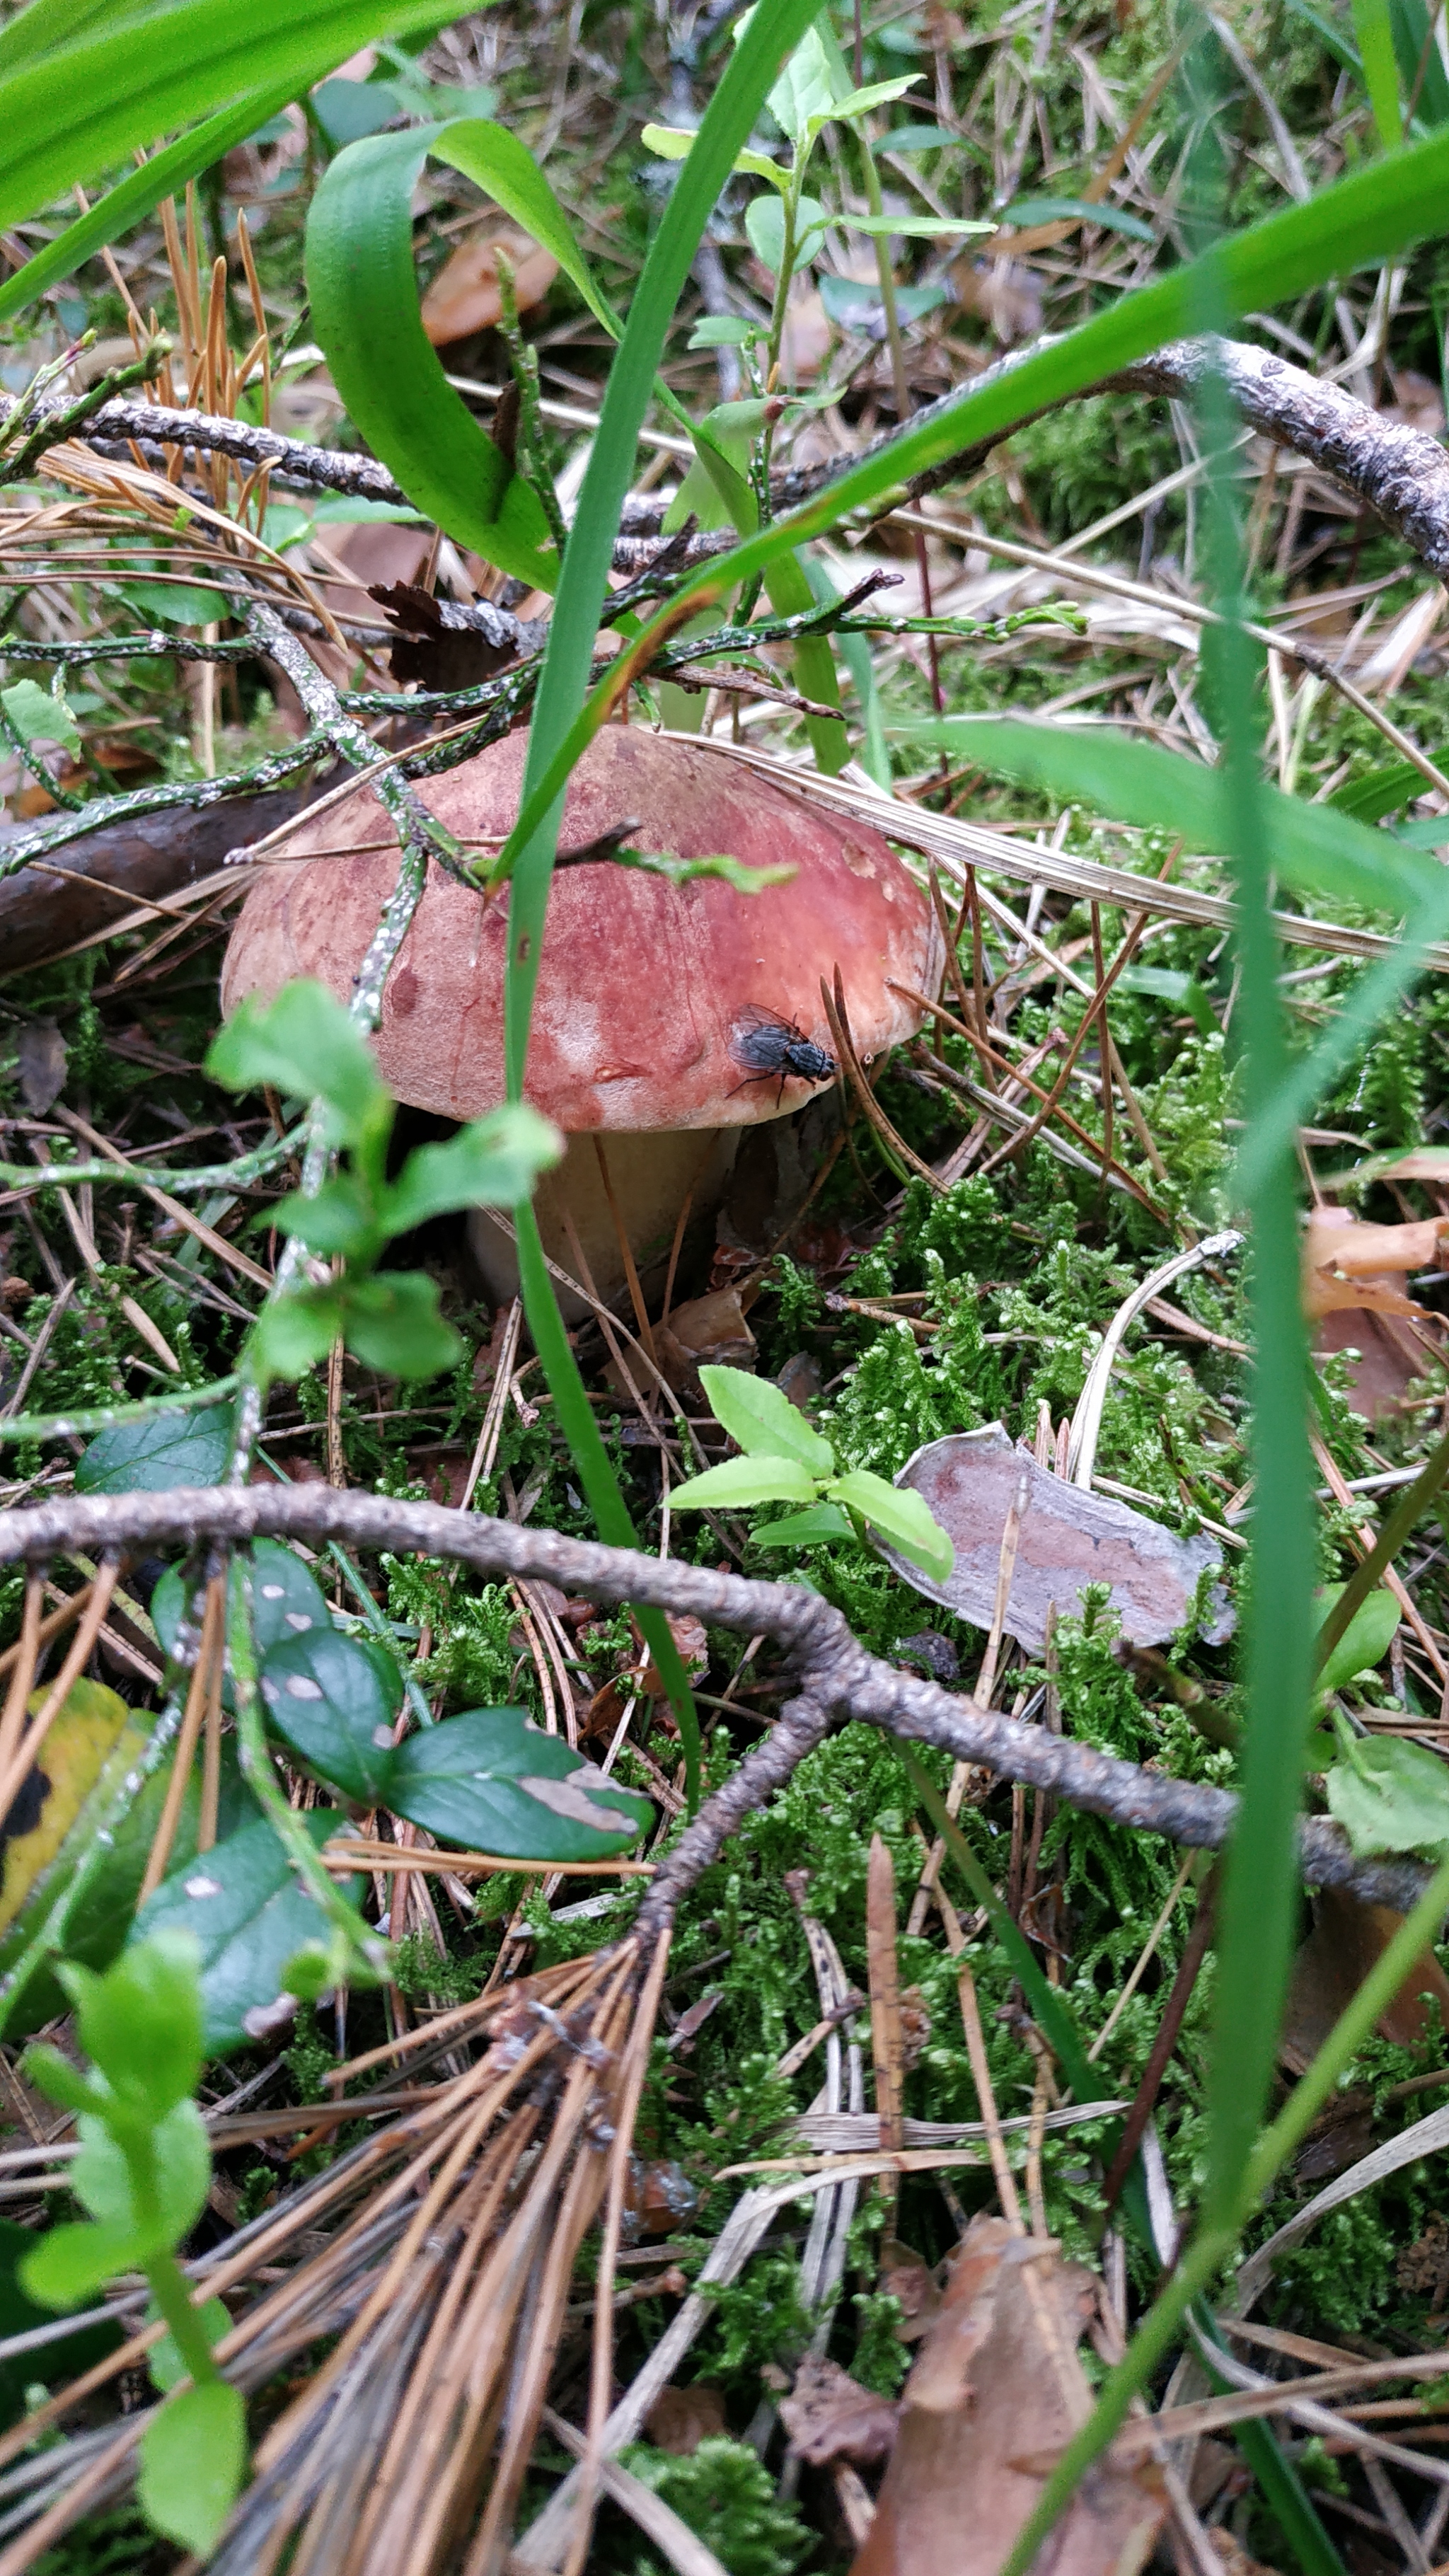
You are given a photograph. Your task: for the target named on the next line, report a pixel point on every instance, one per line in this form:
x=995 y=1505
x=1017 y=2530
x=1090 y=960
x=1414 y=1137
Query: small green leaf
x=102 y=2181
x=668 y=142
x=742 y=1481
x=805 y=89
x=73 y=2261
x=294 y=1331
x=151 y=1457
x=901 y=1516
x=494 y=1162
x=348 y=109
x=722 y=331
x=193 y=2457
x=392 y=1323
x=1390 y=1796
x=305 y=1043
x=339 y=1219
x=492 y=155
x=493 y=1782
x=765 y=225
x=176 y=603
x=141 y=2021
x=1169 y=984
x=39 y=717
x=911 y=227
x=243 y=1903
x=335 y=1700
x=1076 y=210
x=761 y=1420
x=859 y=102
x=1365 y=1641
x=287 y=1602
x=821 y=1526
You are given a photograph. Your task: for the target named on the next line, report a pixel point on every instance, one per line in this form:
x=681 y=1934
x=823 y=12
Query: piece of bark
x=127 y=864
x=1068 y=1539
x=996 y=2394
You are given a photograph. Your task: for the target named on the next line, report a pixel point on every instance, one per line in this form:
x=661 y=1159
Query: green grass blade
x=106 y=84
x=498 y=162
x=1374 y=29
x=133 y=198
x=1318 y=850
x=366 y=314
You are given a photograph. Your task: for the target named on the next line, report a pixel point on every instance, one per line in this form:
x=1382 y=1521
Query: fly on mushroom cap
x=666 y=1017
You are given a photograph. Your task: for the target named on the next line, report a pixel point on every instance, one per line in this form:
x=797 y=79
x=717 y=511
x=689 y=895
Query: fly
x=769 y=1047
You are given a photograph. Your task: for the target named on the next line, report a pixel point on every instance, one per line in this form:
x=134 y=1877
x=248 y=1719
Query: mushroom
x=667 y=1017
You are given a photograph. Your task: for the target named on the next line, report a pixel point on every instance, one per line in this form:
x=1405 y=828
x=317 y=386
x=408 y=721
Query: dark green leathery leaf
x=491 y=1781
x=245 y=1907
x=335 y=1699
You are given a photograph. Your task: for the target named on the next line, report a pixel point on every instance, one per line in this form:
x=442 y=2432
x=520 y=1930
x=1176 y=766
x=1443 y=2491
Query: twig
x=837 y=1676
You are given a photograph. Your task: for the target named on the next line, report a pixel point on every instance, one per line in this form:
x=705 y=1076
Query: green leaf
x=506 y=168
x=911 y=227
x=859 y=102
x=805 y=89
x=1391 y=1796
x=52 y=2074
x=348 y=109
x=1169 y=984
x=392 y=1323
x=102 y=2181
x=153 y=1456
x=821 y=1526
x=176 y=603
x=287 y=1602
x=243 y=1903
x=340 y=1217
x=305 y=1043
x=193 y=2458
x=1381 y=790
x=1077 y=210
x=73 y=2261
x=494 y=1162
x=901 y=1516
x=335 y=1699
x=1365 y=1641
x=294 y=1331
x=365 y=311
x=493 y=1782
x=38 y=716
x=761 y=1420
x=105 y=83
x=722 y=331
x=1317 y=850
x=66 y=2358
x=765 y=225
x=742 y=1481
x=141 y=2021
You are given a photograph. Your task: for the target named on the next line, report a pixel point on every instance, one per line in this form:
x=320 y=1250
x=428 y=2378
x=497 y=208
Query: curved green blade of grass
x=86 y=87
x=133 y=198
x=364 y=293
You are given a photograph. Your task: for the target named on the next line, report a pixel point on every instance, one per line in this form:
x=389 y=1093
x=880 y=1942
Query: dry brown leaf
x=464 y=296
x=1068 y=1538
x=1348 y=1938
x=1346 y=1263
x=681 y=2418
x=705 y=1331
x=996 y=2392
x=829 y=2416
x=907 y=2277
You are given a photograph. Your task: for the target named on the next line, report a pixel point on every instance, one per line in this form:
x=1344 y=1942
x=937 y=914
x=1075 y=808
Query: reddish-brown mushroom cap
x=645 y=988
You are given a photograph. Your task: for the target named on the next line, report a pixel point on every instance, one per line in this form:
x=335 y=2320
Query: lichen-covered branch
x=836 y=1678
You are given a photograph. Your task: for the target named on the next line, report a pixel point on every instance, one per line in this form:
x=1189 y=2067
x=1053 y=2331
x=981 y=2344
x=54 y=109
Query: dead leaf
x=464 y=296
x=704 y=1332
x=1347 y=1263
x=658 y=2197
x=997 y=2383
x=1068 y=1538
x=443 y=643
x=1348 y=1938
x=1424 y=2265
x=691 y=2023
x=908 y=2278
x=1005 y=294
x=915 y=2026
x=829 y=2416
x=41 y=1065
x=690 y=1637
x=681 y=2418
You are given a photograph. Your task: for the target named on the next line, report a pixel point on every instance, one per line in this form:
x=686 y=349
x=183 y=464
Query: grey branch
x=1401 y=473
x=837 y=1678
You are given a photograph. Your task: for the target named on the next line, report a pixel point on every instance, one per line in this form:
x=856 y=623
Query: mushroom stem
x=651 y=1175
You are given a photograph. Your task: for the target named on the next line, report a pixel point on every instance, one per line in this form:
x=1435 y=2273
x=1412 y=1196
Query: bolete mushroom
x=667 y=1017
